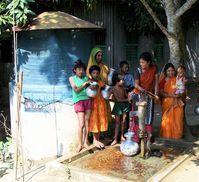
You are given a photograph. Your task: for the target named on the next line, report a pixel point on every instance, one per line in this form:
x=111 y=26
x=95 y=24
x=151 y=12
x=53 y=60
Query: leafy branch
x=14 y=12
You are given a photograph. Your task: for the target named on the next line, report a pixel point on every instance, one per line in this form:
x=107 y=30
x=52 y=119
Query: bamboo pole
x=17 y=134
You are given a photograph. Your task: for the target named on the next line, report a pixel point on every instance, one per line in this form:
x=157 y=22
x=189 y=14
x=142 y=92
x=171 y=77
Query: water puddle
x=111 y=162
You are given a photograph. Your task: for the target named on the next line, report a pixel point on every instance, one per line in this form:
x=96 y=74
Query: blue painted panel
x=46 y=59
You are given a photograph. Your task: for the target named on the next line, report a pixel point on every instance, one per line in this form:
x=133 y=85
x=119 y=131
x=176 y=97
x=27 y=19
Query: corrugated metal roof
x=58 y=20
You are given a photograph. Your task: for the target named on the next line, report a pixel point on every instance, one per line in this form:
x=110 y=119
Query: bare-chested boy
x=121 y=107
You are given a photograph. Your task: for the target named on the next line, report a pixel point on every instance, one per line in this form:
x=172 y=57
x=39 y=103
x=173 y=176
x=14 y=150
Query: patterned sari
x=172 y=112
x=98 y=121
x=146 y=79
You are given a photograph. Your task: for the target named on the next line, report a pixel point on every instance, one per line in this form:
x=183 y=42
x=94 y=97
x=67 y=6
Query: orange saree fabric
x=147 y=79
x=98 y=121
x=172 y=113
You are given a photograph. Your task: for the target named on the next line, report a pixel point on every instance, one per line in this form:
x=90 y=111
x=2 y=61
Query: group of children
x=93 y=113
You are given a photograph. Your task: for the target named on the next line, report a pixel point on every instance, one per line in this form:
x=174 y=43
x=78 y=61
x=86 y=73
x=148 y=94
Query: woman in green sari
x=96 y=59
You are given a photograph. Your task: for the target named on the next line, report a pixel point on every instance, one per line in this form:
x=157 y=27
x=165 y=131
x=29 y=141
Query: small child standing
x=181 y=80
x=99 y=119
x=121 y=107
x=82 y=103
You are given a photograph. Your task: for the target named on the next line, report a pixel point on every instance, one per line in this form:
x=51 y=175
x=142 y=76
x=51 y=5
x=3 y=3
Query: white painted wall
x=46 y=134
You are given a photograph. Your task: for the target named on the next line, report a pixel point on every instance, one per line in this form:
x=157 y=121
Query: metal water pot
x=110 y=76
x=106 y=92
x=129 y=147
x=92 y=92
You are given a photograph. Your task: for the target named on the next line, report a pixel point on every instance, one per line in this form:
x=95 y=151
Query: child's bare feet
x=96 y=144
x=86 y=146
x=79 y=148
x=101 y=144
x=114 y=142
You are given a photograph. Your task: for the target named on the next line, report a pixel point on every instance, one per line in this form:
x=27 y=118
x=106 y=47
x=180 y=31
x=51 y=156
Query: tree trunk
x=177 y=56
x=174 y=33
x=176 y=42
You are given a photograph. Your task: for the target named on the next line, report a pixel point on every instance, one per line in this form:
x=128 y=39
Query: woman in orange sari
x=172 y=108
x=146 y=79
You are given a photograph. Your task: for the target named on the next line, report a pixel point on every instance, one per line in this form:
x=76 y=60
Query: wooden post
x=17 y=134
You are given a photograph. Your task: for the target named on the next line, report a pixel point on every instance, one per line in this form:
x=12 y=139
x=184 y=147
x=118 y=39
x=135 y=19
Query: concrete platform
x=111 y=165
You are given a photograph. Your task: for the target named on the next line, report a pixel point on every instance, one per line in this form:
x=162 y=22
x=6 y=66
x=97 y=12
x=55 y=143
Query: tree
x=25 y=10
x=170 y=21
x=174 y=10
x=136 y=18
x=14 y=12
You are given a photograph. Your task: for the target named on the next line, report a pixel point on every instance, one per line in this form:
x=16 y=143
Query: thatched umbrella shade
x=58 y=20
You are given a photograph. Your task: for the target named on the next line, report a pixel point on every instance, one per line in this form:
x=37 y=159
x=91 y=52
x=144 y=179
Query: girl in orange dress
x=172 y=109
x=96 y=59
x=99 y=119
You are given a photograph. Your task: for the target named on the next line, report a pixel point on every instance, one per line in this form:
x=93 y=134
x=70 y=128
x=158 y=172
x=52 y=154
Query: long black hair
x=167 y=66
x=79 y=64
x=147 y=57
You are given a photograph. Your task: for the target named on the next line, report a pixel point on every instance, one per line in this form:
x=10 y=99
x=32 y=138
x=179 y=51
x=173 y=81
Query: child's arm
x=111 y=98
x=165 y=94
x=75 y=88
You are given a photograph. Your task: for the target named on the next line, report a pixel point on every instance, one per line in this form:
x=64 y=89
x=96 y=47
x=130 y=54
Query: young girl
x=82 y=103
x=121 y=107
x=98 y=121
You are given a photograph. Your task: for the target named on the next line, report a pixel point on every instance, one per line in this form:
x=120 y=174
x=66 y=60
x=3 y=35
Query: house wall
x=116 y=47
x=106 y=16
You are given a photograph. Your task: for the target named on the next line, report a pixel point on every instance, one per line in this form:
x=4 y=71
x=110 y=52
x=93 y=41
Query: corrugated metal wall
x=105 y=15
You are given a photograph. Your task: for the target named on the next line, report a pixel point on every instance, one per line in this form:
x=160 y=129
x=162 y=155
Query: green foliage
x=19 y=11
x=4 y=148
x=191 y=17
x=90 y=4
x=15 y=12
x=136 y=17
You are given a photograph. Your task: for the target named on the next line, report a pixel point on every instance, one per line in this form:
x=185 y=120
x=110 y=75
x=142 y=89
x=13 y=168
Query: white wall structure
x=48 y=121
x=45 y=134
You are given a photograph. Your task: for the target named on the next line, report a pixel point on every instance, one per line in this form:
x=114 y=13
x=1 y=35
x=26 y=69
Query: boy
x=128 y=78
x=121 y=107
